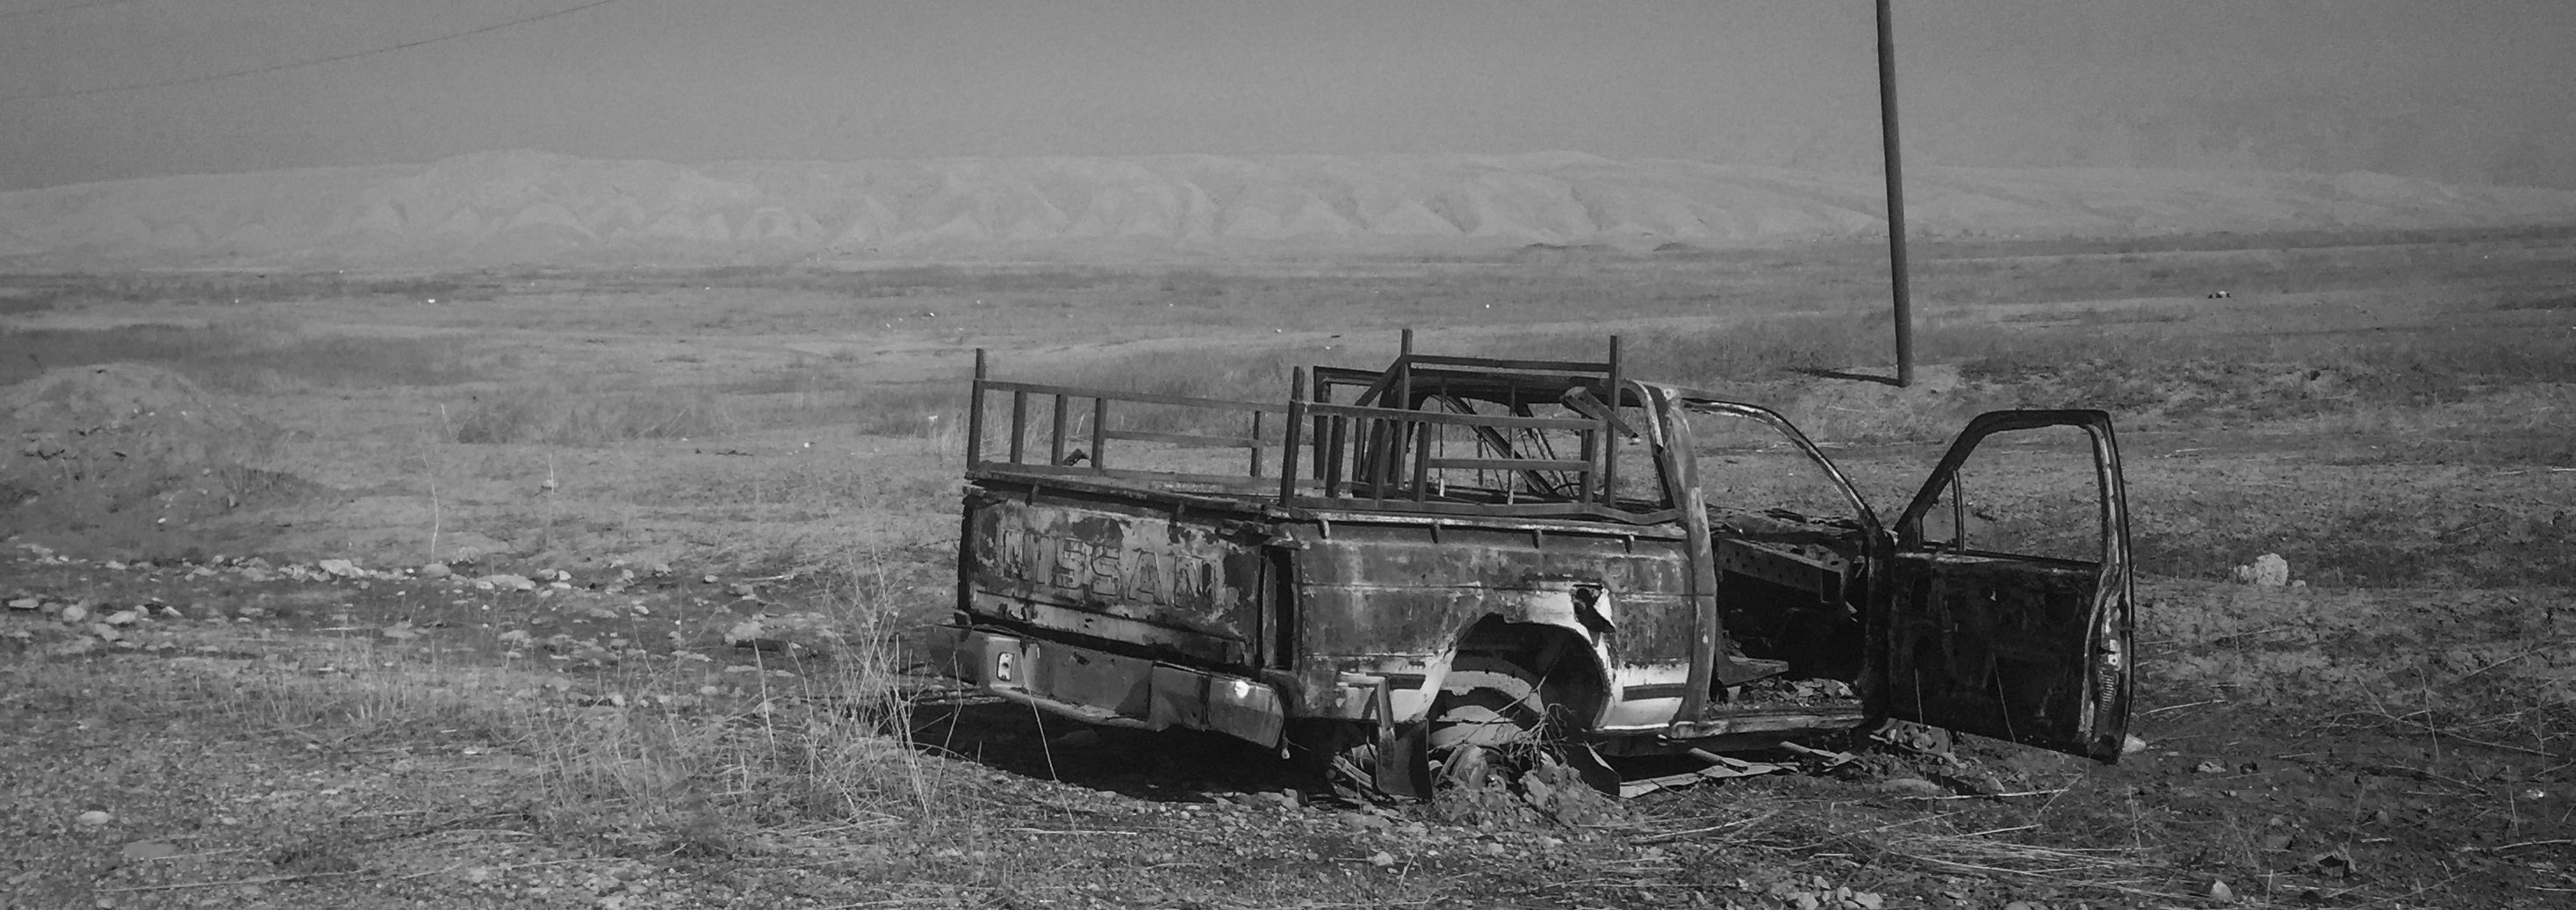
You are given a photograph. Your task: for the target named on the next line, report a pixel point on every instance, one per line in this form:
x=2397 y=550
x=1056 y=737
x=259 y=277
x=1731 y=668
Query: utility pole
x=1895 y=200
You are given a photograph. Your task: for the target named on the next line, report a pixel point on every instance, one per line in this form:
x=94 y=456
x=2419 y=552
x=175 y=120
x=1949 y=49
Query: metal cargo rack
x=1408 y=438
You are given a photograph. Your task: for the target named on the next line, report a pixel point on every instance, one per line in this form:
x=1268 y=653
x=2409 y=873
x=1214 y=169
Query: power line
x=300 y=64
x=15 y=13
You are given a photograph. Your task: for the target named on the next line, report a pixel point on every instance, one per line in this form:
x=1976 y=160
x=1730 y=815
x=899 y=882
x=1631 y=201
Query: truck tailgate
x=1129 y=572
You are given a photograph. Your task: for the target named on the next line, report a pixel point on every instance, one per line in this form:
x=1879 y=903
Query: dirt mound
x=130 y=457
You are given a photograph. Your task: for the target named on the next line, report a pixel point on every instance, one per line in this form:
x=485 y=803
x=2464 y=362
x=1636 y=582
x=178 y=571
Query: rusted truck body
x=1459 y=553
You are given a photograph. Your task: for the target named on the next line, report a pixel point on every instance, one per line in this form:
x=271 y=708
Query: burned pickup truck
x=1406 y=572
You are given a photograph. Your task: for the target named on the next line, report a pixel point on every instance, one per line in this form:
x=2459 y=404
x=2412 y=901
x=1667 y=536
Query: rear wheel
x=1488 y=703
x=1496 y=721
x=1493 y=721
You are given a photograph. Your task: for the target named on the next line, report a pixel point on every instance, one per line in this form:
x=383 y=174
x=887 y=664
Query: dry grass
x=2367 y=349
x=587 y=414
x=249 y=356
x=822 y=745
x=228 y=287
x=652 y=756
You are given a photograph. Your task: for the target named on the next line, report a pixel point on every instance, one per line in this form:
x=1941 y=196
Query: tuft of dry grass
x=824 y=744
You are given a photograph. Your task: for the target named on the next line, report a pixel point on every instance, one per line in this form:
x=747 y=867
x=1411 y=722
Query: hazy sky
x=2483 y=84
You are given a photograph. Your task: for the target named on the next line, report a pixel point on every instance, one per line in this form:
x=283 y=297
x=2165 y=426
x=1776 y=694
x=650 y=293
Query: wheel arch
x=1565 y=658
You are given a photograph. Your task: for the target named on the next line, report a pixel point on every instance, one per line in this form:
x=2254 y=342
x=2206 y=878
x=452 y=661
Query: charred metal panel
x=1084 y=677
x=1381 y=589
x=1768 y=723
x=1810 y=568
x=1186 y=585
x=1994 y=646
x=1645 y=697
x=1394 y=598
x=1100 y=626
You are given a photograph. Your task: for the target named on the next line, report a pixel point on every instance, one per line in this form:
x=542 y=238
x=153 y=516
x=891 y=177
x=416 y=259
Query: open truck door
x=2008 y=607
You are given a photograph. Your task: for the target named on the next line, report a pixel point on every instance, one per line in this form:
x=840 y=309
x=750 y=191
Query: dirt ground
x=227 y=782
x=591 y=592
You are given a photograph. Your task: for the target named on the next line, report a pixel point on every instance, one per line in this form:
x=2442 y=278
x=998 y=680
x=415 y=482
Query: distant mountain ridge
x=537 y=207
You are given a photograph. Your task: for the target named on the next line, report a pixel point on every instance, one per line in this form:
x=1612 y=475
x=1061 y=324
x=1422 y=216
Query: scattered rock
x=92 y=819
x=1382 y=859
x=507 y=582
x=25 y=603
x=802 y=634
x=123 y=617
x=75 y=613
x=1285 y=799
x=341 y=568
x=1540 y=794
x=2268 y=571
x=1914 y=737
x=435 y=570
x=2333 y=864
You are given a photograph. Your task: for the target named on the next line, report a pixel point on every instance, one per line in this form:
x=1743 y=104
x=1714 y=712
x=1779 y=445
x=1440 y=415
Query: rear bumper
x=1109 y=689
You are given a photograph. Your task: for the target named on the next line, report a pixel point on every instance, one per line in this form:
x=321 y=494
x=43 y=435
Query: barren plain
x=548 y=586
